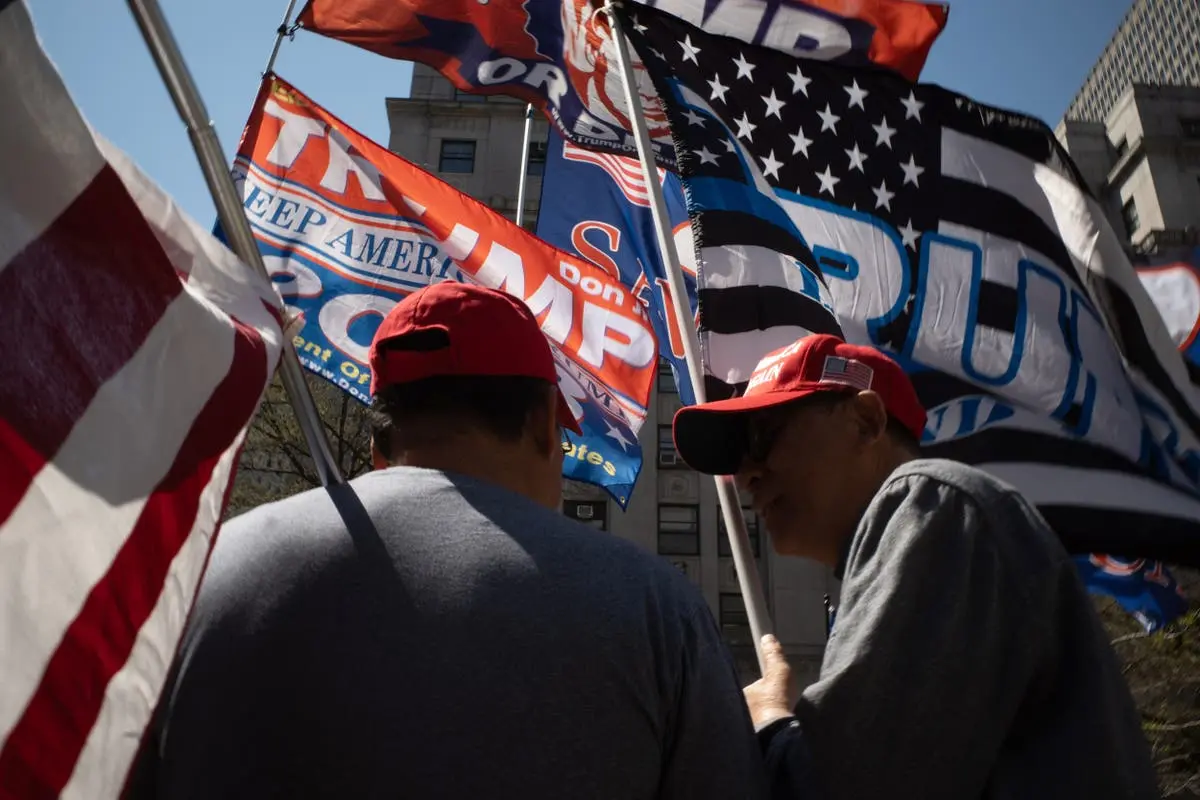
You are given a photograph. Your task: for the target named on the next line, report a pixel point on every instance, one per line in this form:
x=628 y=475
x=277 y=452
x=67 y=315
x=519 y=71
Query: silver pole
x=735 y=524
x=524 y=164
x=279 y=34
x=190 y=106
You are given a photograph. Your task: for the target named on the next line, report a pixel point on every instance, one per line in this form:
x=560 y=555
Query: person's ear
x=378 y=460
x=869 y=417
x=543 y=424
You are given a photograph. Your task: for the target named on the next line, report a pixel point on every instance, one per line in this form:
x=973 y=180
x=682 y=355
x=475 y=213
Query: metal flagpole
x=524 y=164
x=735 y=523
x=190 y=106
x=279 y=34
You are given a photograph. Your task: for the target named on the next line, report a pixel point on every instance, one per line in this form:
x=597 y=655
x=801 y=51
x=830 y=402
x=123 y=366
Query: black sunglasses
x=764 y=428
x=762 y=431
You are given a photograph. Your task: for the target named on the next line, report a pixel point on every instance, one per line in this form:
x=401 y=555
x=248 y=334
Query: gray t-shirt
x=966 y=661
x=422 y=634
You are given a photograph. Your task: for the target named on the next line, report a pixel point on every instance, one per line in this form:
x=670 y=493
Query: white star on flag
x=799 y=82
x=912 y=107
x=857 y=96
x=718 y=89
x=693 y=117
x=744 y=67
x=618 y=436
x=638 y=26
x=827 y=181
x=857 y=157
x=800 y=142
x=689 y=50
x=911 y=171
x=774 y=104
x=829 y=120
x=705 y=156
x=729 y=145
x=883 y=198
x=909 y=234
x=745 y=128
x=770 y=165
x=883 y=133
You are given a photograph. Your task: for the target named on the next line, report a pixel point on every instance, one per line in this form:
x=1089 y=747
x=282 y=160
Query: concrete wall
x=1141 y=153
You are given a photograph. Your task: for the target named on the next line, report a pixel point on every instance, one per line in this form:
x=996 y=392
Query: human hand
x=772 y=696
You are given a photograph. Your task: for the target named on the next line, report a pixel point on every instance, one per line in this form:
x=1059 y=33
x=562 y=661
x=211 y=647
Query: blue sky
x=1030 y=55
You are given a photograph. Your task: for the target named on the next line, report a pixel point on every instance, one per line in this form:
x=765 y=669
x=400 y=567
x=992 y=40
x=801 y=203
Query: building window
x=667 y=457
x=1191 y=127
x=590 y=512
x=751 y=529
x=1129 y=214
x=735 y=622
x=679 y=530
x=666 y=379
x=458 y=155
x=537 y=159
x=468 y=97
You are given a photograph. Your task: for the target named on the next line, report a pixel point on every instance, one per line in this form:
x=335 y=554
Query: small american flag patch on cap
x=847 y=371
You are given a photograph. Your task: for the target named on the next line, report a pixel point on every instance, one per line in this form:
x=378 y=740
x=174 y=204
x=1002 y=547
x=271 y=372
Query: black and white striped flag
x=960 y=239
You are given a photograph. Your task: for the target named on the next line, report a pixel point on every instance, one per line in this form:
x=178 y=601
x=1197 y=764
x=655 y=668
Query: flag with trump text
x=597 y=205
x=960 y=239
x=137 y=350
x=348 y=228
x=559 y=54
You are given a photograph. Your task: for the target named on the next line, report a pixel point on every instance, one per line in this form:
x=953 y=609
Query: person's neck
x=888 y=461
x=487 y=460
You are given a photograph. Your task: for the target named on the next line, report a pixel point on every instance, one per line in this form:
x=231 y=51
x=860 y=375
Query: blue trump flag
x=597 y=205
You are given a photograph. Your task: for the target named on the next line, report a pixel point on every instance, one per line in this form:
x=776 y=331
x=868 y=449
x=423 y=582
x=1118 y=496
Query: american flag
x=847 y=371
x=960 y=239
x=626 y=172
x=136 y=351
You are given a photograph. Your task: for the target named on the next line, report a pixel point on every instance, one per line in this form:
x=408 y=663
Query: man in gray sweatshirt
x=966 y=660
x=436 y=629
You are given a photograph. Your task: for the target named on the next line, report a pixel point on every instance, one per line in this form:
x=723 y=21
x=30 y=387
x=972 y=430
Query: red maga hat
x=453 y=328
x=709 y=436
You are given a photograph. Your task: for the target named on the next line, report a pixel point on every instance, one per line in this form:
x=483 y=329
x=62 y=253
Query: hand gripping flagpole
x=178 y=80
x=524 y=164
x=731 y=510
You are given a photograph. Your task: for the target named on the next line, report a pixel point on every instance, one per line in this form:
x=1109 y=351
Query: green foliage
x=275 y=460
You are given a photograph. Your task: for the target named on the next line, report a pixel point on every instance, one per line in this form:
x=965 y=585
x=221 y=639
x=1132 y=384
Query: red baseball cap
x=453 y=328
x=710 y=438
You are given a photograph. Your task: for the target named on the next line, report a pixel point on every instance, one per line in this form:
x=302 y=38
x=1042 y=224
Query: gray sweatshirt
x=426 y=635
x=966 y=661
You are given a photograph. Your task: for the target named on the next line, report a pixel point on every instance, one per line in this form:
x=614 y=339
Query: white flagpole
x=735 y=523
x=279 y=34
x=524 y=164
x=157 y=34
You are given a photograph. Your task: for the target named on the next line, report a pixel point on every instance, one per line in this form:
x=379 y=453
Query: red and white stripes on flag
x=136 y=348
x=626 y=172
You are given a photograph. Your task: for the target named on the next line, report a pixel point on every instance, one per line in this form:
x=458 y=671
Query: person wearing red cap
x=436 y=628
x=966 y=659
